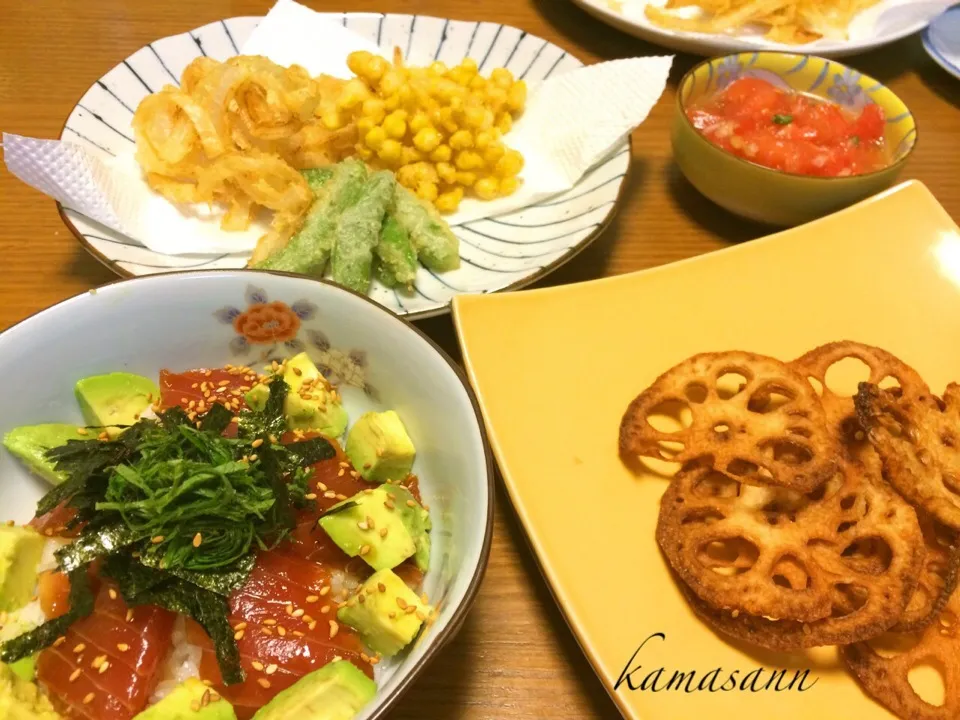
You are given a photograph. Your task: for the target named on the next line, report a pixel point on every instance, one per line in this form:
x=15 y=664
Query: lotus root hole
x=730 y=383
x=669 y=449
x=800 y=432
x=703 y=516
x=888 y=383
x=722 y=431
x=787 y=452
x=947 y=439
x=670 y=416
x=848 y=598
x=948 y=624
x=869 y=555
x=696 y=392
x=770 y=398
x=815 y=384
x=716 y=485
x=844 y=376
x=729 y=556
x=847 y=502
x=740 y=468
x=789 y=572
x=950 y=483
x=927 y=681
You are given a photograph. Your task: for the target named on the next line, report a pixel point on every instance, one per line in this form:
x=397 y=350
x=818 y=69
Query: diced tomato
x=791 y=132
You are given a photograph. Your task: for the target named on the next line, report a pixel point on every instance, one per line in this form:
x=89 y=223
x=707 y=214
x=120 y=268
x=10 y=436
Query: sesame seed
x=298 y=612
x=307 y=619
x=197 y=540
x=411 y=503
x=340 y=474
x=238 y=635
x=157 y=539
x=112 y=593
x=103 y=667
x=364 y=549
x=88 y=698
x=383 y=532
x=312 y=598
x=81 y=431
x=56 y=643
x=298 y=633
x=388 y=504
x=410 y=609
x=340 y=496
x=79 y=648
x=324 y=590
x=273 y=438
x=325 y=609
x=269 y=622
x=122 y=647
x=370 y=522
x=420 y=616
x=363 y=525
x=381 y=587
x=74 y=675
x=267 y=631
x=257 y=443
x=130 y=615
x=312 y=625
x=392 y=614
x=205 y=698
x=334 y=629
x=289 y=608
x=263 y=682
x=330 y=494
x=310 y=496
x=401 y=603
x=271 y=669
x=223 y=383
x=297 y=371
x=195 y=706
x=240 y=626
x=253 y=458
x=367 y=466
x=98 y=661
x=257 y=665
x=281 y=631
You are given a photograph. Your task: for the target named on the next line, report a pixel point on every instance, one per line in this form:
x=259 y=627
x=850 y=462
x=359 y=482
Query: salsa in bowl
x=231 y=494
x=784 y=139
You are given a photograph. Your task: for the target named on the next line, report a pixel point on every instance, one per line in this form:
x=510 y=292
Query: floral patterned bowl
x=214 y=317
x=772 y=196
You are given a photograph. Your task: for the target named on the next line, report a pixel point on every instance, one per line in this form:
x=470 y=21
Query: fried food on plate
x=884 y=670
x=918 y=439
x=841 y=413
x=938 y=577
x=786 y=21
x=788 y=571
x=752 y=415
x=235 y=133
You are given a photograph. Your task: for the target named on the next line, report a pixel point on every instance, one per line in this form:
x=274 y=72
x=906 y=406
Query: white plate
x=884 y=23
x=497 y=254
x=942 y=40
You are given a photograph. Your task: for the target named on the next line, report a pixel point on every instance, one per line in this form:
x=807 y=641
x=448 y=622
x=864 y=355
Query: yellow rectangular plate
x=555 y=369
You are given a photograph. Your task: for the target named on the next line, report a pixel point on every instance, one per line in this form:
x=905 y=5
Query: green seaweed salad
x=174 y=512
x=363 y=225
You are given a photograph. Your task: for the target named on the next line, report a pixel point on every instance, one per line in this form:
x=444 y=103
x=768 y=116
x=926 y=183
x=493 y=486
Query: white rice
x=23 y=620
x=182 y=662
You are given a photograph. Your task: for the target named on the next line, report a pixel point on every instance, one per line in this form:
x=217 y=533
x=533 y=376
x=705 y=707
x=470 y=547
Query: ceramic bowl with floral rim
x=772 y=196
x=213 y=318
x=501 y=253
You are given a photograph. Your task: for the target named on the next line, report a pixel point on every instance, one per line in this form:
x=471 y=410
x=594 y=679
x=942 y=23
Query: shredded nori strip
x=216 y=420
x=81 y=605
x=97 y=543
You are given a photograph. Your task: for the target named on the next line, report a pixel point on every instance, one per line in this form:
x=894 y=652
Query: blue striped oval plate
x=501 y=253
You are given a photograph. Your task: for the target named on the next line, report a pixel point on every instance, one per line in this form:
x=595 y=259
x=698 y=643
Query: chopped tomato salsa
x=792 y=132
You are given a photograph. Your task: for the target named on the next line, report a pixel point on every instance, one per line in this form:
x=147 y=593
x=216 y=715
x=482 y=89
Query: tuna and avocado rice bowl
x=222 y=543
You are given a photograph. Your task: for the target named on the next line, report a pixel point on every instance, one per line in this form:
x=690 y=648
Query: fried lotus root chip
x=886 y=677
x=938 y=577
x=918 y=440
x=768 y=428
x=840 y=410
x=844 y=559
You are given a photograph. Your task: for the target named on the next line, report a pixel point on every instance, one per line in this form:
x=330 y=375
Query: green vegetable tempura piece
x=359 y=232
x=309 y=250
x=382 y=273
x=436 y=245
x=317 y=177
x=396 y=253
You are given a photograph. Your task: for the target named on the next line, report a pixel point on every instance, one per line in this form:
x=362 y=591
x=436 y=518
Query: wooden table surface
x=515 y=657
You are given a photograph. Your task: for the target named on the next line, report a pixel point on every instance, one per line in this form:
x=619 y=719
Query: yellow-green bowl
x=772 y=196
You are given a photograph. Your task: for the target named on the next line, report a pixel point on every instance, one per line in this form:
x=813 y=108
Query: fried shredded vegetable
x=235 y=133
x=787 y=21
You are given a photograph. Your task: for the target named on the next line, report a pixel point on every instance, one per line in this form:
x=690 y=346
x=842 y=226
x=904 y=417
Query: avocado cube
x=22 y=700
x=115 y=399
x=31 y=442
x=185 y=702
x=385 y=612
x=370 y=525
x=20 y=551
x=379 y=447
x=257 y=396
x=337 y=691
x=418 y=523
x=26 y=668
x=312 y=403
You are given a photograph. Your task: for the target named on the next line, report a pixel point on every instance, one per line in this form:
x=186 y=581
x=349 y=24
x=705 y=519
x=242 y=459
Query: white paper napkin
x=572 y=121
